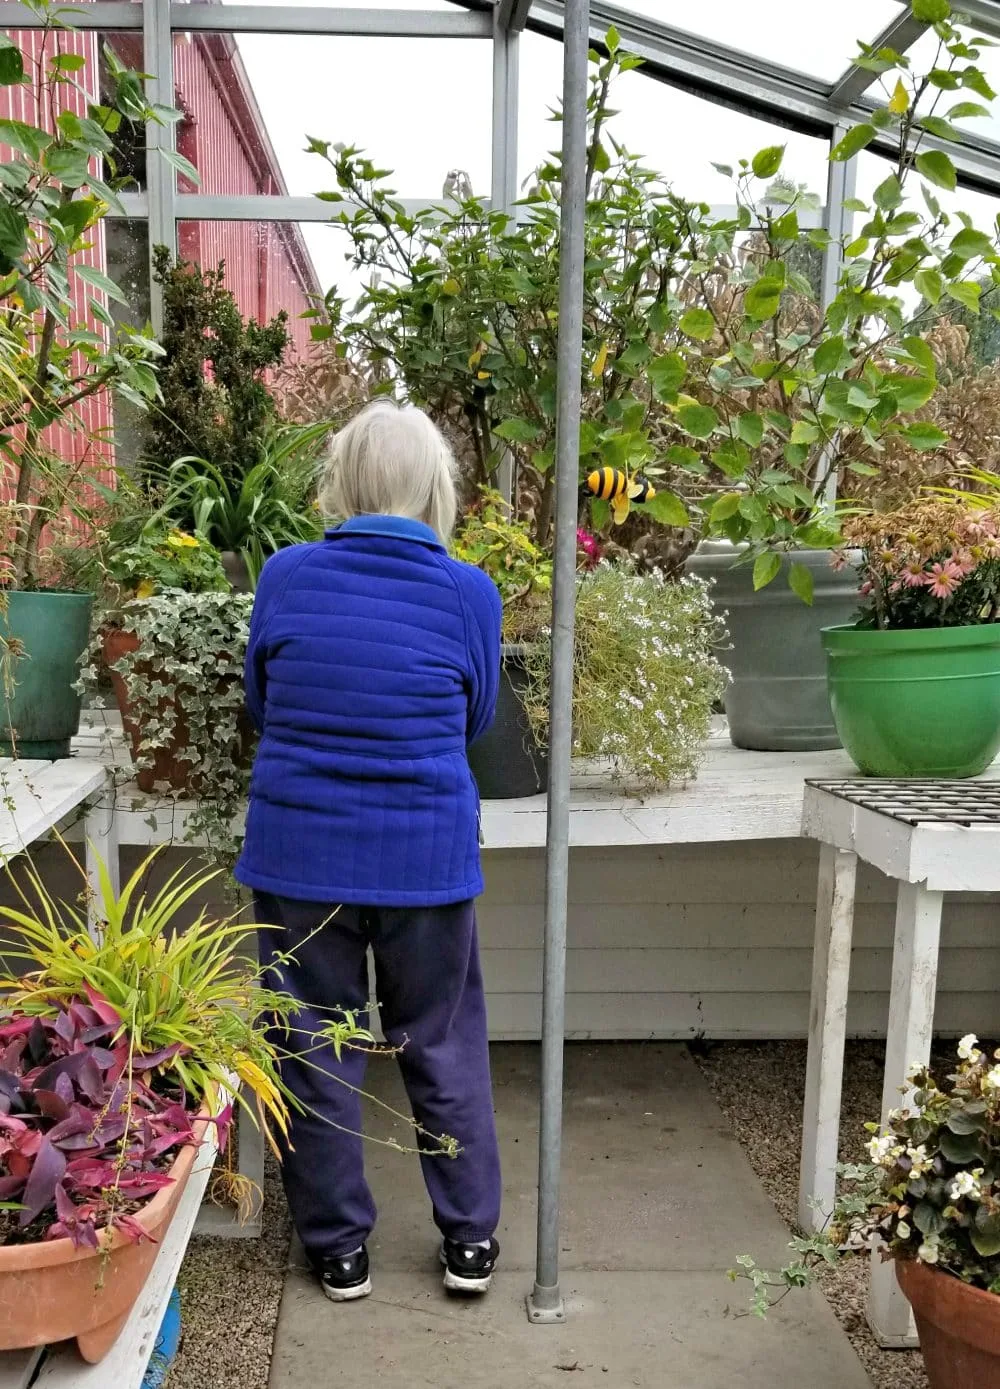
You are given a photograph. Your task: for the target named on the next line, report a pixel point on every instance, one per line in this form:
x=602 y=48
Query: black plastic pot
x=507 y=761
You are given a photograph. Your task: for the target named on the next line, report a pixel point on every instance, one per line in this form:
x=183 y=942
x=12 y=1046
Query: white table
x=932 y=837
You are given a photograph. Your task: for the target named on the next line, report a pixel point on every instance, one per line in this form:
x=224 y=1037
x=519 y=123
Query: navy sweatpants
x=429 y=990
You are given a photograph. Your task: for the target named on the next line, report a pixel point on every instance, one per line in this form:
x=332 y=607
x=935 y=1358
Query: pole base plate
x=545 y=1306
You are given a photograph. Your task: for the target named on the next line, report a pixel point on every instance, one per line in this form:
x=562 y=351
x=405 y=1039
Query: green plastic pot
x=44 y=713
x=920 y=703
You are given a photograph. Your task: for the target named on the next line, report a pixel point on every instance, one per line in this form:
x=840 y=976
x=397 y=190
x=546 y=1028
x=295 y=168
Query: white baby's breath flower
x=967 y=1050
x=928 y=1252
x=880 y=1149
x=991 y=1080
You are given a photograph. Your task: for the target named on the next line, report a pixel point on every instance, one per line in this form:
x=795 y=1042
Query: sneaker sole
x=455 y=1284
x=348 y=1294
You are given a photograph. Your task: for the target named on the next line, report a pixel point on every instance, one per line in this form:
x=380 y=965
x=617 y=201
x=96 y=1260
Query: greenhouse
x=500 y=657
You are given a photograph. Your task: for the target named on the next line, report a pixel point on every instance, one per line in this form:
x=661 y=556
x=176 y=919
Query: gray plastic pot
x=506 y=761
x=777 y=700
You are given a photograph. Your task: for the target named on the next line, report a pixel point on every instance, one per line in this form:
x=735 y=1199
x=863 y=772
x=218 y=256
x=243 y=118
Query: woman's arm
x=485 y=613
x=270 y=587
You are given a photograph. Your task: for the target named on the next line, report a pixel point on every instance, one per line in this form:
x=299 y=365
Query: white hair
x=391 y=460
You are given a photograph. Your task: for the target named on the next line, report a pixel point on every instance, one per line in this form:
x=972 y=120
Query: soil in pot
x=959 y=1327
x=167 y=769
x=52 y=1291
x=507 y=762
x=922 y=703
x=42 y=714
x=777 y=700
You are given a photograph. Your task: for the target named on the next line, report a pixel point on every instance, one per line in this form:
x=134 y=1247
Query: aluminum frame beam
x=161 y=178
x=305 y=19
x=900 y=35
x=512 y=15
x=113 y=15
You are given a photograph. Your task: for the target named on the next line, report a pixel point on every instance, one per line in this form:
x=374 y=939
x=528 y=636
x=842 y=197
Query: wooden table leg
x=908 y=1045
x=827 y=1030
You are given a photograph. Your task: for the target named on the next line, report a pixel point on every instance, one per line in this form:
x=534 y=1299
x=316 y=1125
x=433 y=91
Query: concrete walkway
x=658 y=1200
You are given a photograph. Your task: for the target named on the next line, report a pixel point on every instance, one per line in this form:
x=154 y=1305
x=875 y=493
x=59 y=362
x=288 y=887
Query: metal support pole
x=841 y=182
x=158 y=56
x=503 y=191
x=545 y=1303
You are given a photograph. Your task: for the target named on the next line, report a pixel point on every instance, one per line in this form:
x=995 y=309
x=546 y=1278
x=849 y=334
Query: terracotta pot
x=167 y=769
x=959 y=1327
x=51 y=1291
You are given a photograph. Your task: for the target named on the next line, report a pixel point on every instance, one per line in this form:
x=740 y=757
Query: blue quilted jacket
x=373 y=662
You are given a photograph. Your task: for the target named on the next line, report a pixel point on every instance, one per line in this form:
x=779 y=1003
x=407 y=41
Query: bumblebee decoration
x=614 y=486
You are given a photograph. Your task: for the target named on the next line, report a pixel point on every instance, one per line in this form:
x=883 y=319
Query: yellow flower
x=146 y=589
x=180 y=540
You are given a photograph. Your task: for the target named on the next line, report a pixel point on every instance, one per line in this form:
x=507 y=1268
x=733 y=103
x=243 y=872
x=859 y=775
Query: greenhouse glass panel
x=252 y=100
x=816 y=39
x=406 y=5
x=679 y=135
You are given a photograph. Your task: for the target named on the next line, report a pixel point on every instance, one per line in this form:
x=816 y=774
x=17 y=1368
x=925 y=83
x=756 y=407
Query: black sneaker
x=346 y=1278
x=468 y=1268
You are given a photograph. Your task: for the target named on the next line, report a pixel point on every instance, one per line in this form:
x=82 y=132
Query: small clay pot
x=959 y=1327
x=51 y=1290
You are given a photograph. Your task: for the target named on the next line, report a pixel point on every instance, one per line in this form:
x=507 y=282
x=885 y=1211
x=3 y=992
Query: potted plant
x=250 y=515
x=929 y=1198
x=177 y=670
x=793 y=397
x=915 y=681
x=61 y=355
x=509 y=761
x=115 y=1055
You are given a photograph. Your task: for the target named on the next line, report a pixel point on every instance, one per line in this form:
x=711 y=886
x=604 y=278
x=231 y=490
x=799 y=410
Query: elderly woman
x=373 y=662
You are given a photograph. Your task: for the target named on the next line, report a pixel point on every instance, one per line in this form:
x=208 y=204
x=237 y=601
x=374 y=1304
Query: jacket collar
x=393 y=527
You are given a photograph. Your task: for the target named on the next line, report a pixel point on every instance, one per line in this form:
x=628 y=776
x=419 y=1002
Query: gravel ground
x=230 y=1294
x=760 y=1087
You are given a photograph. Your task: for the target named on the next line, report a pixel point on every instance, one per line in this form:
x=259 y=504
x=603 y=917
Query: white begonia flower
x=928 y=1253
x=880 y=1149
x=991 y=1080
x=903 y=1230
x=967 y=1050
x=918 y=1157
x=965 y=1184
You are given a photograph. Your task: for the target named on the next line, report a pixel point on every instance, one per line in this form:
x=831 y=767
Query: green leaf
x=910 y=392
x=750 y=428
x=928 y=1219
x=98 y=280
x=937 y=125
x=800 y=581
x=962 y=1122
x=683 y=457
x=26 y=139
x=829 y=355
x=612 y=39
x=966 y=110
x=725 y=506
x=763 y=299
x=929 y=283
x=937 y=168
x=767 y=162
x=856 y=139
x=930 y=11
x=698 y=324
x=921 y=354
x=977 y=82
x=69 y=167
x=804 y=432
x=967 y=292
x=11 y=62
x=666 y=375
x=13 y=232
x=732 y=457
x=697 y=420
x=969 y=242
x=517 y=431
x=889 y=194
x=68 y=62
x=668 y=509
x=985 y=1232
x=924 y=436
x=765 y=568
x=182 y=165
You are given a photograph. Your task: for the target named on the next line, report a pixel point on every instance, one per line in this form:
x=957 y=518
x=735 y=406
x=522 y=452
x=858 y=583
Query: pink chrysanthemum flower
x=912 y=575
x=943 y=579
x=590 y=546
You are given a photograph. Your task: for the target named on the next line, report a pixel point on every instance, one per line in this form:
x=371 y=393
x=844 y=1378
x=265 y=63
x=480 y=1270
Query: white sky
x=423 y=106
